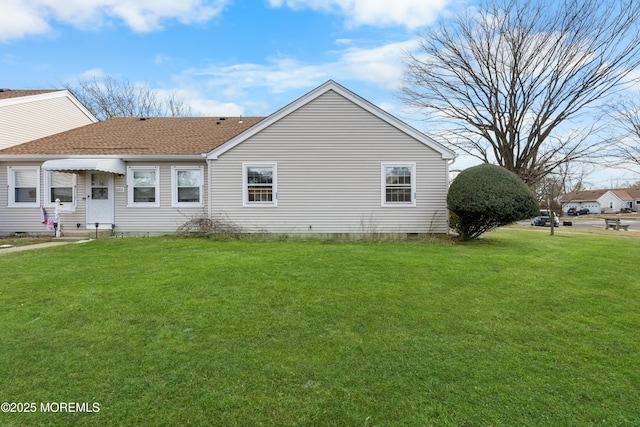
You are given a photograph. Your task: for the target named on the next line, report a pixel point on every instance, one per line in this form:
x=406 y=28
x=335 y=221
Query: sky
x=222 y=57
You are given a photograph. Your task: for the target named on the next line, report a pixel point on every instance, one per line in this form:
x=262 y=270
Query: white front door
x=99 y=200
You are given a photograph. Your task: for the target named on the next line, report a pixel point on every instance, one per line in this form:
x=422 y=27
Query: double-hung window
x=187 y=186
x=260 y=184
x=398 y=184
x=24 y=186
x=143 y=186
x=60 y=185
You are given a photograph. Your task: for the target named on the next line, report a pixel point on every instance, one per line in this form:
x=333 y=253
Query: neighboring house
x=603 y=201
x=330 y=162
x=26 y=115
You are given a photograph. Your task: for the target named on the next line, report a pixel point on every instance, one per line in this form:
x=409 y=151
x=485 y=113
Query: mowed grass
x=519 y=329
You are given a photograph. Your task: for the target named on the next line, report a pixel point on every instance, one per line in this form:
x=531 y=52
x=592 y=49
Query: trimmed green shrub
x=484 y=197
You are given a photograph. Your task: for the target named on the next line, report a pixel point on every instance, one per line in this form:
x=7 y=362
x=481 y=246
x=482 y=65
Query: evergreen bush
x=484 y=197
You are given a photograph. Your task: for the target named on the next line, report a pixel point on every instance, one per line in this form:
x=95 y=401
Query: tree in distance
x=118 y=97
x=487 y=196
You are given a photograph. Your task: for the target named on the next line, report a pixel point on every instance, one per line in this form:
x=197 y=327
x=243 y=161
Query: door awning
x=103 y=165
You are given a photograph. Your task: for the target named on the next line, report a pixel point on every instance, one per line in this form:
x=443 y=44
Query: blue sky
x=221 y=56
x=224 y=57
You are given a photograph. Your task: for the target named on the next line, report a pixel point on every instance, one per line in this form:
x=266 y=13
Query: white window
x=260 y=184
x=143 y=186
x=187 y=187
x=398 y=184
x=24 y=186
x=60 y=185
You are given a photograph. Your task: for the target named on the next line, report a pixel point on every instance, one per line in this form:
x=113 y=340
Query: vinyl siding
x=164 y=219
x=20 y=219
x=155 y=220
x=329 y=154
x=26 y=121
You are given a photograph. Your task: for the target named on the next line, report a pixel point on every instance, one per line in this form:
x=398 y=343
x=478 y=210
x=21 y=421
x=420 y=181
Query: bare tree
x=111 y=97
x=549 y=189
x=511 y=81
x=626 y=115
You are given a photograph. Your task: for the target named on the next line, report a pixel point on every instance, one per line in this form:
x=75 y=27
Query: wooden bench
x=615 y=224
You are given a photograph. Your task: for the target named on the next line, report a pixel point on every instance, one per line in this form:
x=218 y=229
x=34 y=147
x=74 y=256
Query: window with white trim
x=260 y=184
x=60 y=185
x=187 y=186
x=398 y=184
x=24 y=186
x=143 y=186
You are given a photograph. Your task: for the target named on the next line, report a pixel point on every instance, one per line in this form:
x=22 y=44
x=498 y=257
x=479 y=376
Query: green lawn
x=519 y=329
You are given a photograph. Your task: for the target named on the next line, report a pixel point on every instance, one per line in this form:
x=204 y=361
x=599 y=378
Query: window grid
x=398 y=184
x=260 y=184
x=398 y=188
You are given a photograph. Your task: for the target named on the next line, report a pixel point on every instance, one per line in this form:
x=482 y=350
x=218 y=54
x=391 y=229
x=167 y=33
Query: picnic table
x=615 y=224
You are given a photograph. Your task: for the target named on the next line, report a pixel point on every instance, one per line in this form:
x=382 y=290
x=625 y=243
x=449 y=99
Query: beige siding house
x=337 y=164
x=26 y=115
x=330 y=162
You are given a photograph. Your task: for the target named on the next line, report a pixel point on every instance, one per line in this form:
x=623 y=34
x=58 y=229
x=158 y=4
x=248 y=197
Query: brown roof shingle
x=10 y=93
x=593 y=195
x=136 y=136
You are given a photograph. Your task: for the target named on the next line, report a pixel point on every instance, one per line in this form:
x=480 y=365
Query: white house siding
x=155 y=220
x=609 y=203
x=594 y=207
x=329 y=154
x=26 y=121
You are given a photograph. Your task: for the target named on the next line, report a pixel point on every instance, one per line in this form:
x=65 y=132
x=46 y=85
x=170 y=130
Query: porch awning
x=104 y=165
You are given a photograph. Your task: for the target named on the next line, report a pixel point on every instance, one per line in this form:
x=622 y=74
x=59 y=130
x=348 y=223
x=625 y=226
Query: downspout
x=209 y=190
x=448 y=181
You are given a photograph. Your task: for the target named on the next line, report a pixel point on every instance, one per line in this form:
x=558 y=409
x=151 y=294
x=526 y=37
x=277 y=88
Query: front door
x=99 y=199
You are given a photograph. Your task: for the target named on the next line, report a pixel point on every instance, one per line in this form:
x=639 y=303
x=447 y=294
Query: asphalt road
x=591 y=222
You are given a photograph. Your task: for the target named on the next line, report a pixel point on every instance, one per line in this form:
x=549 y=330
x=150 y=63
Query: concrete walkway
x=36 y=246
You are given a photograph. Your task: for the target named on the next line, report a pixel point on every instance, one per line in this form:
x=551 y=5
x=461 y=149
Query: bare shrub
x=218 y=226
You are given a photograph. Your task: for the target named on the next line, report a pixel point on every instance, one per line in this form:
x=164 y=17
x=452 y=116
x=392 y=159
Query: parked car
x=577 y=212
x=543 y=220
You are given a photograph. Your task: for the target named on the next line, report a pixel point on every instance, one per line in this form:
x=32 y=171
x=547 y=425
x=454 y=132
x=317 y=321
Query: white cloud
x=161 y=59
x=257 y=87
x=21 y=18
x=277 y=76
x=380 y=65
x=408 y=13
x=200 y=105
x=93 y=73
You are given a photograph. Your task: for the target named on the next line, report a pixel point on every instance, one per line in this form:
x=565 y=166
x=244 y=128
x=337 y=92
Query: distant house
x=603 y=201
x=329 y=162
x=26 y=115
